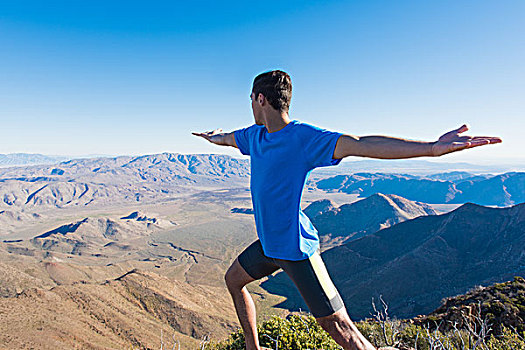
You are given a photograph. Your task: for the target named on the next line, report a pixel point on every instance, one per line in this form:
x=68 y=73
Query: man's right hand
x=218 y=137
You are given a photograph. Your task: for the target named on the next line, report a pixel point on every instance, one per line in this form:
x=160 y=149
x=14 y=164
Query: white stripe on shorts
x=322 y=275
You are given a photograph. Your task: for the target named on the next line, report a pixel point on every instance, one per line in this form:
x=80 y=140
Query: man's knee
x=229 y=279
x=338 y=319
x=236 y=277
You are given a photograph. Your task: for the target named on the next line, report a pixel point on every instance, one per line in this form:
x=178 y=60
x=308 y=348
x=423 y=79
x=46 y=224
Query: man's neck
x=276 y=121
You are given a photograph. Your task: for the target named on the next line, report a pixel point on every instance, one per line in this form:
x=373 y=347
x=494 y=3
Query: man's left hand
x=453 y=142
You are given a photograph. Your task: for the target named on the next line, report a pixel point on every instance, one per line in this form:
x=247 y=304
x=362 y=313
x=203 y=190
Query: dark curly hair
x=276 y=86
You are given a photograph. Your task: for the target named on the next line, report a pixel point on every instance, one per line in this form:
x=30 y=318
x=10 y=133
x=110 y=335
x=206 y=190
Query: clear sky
x=129 y=77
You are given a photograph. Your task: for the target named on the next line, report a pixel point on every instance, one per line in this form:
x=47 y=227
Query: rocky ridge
x=337 y=225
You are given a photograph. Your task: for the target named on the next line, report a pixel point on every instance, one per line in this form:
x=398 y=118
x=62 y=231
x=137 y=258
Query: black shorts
x=309 y=276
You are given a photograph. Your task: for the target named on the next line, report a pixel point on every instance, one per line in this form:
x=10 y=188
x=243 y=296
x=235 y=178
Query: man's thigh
x=315 y=285
x=255 y=263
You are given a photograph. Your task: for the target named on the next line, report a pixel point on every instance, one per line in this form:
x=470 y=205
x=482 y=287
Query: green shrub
x=294 y=333
x=371 y=330
x=412 y=333
x=508 y=340
x=301 y=333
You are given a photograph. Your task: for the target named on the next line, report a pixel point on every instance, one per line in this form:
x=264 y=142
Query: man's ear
x=261 y=99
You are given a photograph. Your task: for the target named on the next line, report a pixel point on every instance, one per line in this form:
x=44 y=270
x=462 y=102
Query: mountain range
x=415 y=166
x=416 y=263
x=150 y=178
x=500 y=190
x=103 y=181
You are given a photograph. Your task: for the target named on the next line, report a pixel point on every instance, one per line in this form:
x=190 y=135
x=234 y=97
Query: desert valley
x=118 y=252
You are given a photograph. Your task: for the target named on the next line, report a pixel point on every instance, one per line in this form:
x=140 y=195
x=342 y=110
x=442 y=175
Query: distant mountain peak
x=142 y=217
x=139 y=216
x=472 y=210
x=64 y=229
x=388 y=199
x=337 y=225
x=319 y=207
x=392 y=203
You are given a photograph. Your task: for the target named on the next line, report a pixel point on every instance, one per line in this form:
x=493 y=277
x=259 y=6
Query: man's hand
x=218 y=137
x=452 y=142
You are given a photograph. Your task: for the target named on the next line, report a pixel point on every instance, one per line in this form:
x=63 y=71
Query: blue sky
x=115 y=77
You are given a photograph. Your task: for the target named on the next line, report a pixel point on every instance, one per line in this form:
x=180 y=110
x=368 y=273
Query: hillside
x=123 y=312
x=11 y=219
x=91 y=235
x=502 y=304
x=416 y=263
x=68 y=285
x=337 y=225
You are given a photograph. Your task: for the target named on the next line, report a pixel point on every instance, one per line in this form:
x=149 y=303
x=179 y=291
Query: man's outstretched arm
x=385 y=147
x=218 y=137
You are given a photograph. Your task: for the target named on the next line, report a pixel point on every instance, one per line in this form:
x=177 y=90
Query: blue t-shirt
x=280 y=164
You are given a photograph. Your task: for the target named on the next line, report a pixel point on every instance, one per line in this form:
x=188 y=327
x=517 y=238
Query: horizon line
x=486 y=162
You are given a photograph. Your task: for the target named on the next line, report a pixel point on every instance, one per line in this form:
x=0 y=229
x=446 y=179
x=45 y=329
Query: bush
x=293 y=333
x=301 y=333
x=508 y=340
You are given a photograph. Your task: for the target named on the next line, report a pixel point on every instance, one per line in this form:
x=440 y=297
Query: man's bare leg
x=236 y=279
x=344 y=331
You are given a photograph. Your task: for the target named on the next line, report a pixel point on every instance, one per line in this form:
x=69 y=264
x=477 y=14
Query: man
x=282 y=153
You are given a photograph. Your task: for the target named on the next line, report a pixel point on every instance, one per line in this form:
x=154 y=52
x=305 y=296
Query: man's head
x=274 y=86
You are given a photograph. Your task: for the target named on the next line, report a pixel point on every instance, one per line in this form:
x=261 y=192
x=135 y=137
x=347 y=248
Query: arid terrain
x=119 y=252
